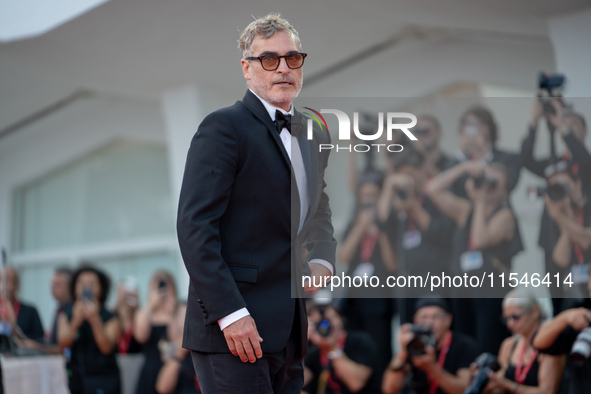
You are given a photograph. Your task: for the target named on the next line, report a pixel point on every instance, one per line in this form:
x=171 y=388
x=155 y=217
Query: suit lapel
x=308 y=149
x=257 y=108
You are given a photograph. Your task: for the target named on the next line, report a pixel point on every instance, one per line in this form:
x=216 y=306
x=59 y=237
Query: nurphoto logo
x=392 y=123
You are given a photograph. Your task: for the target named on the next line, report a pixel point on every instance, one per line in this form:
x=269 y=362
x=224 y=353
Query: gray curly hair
x=266 y=27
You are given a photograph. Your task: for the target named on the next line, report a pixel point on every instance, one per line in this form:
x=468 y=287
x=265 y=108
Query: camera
x=402 y=194
x=481 y=180
x=550 y=82
x=422 y=338
x=485 y=363
x=555 y=192
x=581 y=349
x=323 y=327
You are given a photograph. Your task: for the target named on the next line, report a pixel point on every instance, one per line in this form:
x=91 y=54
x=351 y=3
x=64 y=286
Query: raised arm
x=449 y=204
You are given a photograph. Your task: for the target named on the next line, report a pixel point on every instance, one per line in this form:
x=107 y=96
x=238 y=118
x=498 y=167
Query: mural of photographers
x=430 y=210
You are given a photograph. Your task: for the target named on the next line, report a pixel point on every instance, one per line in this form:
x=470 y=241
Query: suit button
x=205 y=315
x=199 y=301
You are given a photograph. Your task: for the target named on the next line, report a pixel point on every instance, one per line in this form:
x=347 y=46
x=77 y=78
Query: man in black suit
x=248 y=171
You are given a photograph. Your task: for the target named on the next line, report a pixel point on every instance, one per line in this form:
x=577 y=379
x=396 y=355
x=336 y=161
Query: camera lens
x=557 y=191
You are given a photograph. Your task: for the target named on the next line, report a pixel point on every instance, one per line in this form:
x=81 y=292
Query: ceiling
x=143 y=48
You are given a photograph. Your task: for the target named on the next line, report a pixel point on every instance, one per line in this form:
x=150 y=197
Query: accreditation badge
x=471 y=260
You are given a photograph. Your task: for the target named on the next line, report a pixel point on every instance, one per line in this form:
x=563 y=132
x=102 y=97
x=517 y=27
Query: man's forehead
x=278 y=42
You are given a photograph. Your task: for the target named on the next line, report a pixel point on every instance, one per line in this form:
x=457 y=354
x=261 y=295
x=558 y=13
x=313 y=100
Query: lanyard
x=368 y=246
x=576 y=247
x=519 y=373
x=441 y=360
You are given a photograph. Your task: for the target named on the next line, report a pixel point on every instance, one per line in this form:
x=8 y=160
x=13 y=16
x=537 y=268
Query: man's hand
x=317 y=274
x=244 y=340
x=426 y=362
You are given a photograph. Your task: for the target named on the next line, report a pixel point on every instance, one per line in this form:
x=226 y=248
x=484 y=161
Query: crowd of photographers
x=432 y=212
x=90 y=335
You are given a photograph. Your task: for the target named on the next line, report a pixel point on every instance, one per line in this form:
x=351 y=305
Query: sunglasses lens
x=295 y=60
x=270 y=62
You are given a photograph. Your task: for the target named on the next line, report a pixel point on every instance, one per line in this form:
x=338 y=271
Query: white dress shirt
x=292 y=148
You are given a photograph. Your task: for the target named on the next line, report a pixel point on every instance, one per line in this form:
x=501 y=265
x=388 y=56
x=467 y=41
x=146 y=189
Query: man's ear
x=246 y=68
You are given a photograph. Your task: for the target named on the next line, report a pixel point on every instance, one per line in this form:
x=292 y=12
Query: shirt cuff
x=324 y=263
x=232 y=318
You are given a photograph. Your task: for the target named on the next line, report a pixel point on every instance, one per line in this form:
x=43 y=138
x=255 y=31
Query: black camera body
x=550 y=82
x=485 y=363
x=555 y=192
x=402 y=194
x=481 y=180
x=422 y=338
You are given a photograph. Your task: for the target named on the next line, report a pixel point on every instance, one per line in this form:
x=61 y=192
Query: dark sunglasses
x=516 y=317
x=270 y=62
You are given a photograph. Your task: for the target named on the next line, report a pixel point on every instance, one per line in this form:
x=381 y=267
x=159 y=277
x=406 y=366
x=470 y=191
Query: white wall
x=570 y=35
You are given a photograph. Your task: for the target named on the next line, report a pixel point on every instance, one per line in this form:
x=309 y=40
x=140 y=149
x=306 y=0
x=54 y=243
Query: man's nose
x=283 y=66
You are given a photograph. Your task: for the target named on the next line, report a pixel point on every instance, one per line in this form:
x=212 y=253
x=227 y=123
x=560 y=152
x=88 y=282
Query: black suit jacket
x=29 y=322
x=238 y=243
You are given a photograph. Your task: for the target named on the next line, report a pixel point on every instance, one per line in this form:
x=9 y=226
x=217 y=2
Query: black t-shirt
x=580 y=374
x=360 y=348
x=462 y=352
x=420 y=251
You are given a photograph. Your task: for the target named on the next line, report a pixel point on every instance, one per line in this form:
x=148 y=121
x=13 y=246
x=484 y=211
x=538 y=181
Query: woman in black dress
x=90 y=332
x=150 y=328
x=523 y=369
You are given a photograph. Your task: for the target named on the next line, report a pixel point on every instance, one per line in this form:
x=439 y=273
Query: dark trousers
x=281 y=372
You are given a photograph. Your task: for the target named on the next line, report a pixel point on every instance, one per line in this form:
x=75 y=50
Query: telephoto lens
x=581 y=349
x=485 y=363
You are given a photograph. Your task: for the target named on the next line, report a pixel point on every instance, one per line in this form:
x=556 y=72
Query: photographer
x=523 y=370
x=439 y=366
x=576 y=159
x=428 y=133
x=486 y=239
x=421 y=233
x=568 y=208
x=342 y=361
x=367 y=250
x=478 y=138
x=570 y=332
x=572 y=128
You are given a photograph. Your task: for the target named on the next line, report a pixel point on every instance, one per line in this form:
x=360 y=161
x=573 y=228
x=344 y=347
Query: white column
x=182 y=112
x=570 y=35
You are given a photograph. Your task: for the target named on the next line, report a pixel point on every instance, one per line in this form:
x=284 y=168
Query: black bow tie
x=282 y=121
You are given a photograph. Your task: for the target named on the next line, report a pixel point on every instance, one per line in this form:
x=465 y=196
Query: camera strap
x=441 y=360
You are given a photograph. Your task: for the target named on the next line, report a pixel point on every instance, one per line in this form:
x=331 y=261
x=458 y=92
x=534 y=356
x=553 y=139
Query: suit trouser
x=280 y=372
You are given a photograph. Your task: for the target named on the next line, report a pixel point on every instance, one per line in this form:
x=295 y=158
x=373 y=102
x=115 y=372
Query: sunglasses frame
x=260 y=59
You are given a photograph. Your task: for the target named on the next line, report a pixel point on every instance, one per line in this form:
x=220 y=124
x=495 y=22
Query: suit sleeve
x=210 y=169
x=319 y=239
